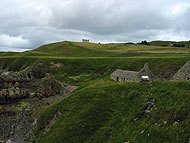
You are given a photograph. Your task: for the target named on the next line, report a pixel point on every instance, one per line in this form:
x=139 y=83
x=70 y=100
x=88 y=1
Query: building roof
x=125 y=74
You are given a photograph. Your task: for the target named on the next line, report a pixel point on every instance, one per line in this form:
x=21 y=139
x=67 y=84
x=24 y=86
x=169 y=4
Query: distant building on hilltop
x=85 y=40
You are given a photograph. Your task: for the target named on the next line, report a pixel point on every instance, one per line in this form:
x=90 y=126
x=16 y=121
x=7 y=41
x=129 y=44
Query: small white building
x=85 y=40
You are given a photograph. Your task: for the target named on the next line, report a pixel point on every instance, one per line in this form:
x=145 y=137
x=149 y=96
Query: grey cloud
x=29 y=24
x=14 y=42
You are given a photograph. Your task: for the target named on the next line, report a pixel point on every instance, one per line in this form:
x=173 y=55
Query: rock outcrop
x=15 y=76
x=50 y=87
x=13 y=93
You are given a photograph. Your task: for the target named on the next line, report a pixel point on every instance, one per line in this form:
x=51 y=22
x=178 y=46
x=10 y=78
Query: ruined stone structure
x=183 y=74
x=123 y=75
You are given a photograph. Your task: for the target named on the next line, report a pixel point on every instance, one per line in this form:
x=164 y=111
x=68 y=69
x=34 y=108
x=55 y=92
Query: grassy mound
x=110 y=112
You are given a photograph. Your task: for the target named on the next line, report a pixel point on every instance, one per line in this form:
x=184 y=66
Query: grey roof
x=125 y=74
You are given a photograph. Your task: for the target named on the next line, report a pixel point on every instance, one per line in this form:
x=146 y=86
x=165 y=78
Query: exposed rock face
x=13 y=93
x=16 y=123
x=39 y=70
x=150 y=105
x=56 y=65
x=50 y=87
x=183 y=74
x=146 y=72
x=15 y=76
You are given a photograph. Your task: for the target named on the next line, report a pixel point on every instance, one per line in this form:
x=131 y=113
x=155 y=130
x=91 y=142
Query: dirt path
x=153 y=56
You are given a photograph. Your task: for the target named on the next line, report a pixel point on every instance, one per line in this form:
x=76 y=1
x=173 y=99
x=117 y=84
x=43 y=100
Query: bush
x=144 y=43
x=178 y=45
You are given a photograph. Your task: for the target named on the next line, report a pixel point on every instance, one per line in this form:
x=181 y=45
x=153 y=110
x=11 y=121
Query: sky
x=27 y=24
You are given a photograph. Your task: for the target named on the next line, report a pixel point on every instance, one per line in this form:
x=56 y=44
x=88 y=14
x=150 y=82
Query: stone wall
x=113 y=77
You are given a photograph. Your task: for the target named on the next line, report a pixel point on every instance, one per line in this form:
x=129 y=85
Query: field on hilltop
x=133 y=48
x=74 y=50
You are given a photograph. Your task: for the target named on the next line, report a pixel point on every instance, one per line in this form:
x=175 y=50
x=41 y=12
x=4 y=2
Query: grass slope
x=106 y=111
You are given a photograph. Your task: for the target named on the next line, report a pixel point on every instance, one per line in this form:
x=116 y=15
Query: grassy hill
x=110 y=112
x=104 y=111
x=78 y=50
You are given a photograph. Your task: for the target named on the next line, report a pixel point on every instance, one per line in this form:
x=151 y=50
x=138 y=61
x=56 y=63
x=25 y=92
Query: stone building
x=124 y=75
x=183 y=74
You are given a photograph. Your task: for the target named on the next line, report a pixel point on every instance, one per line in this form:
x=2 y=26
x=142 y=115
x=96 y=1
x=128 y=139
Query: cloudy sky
x=27 y=24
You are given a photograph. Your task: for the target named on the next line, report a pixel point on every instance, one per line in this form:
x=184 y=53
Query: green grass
x=124 y=48
x=106 y=111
